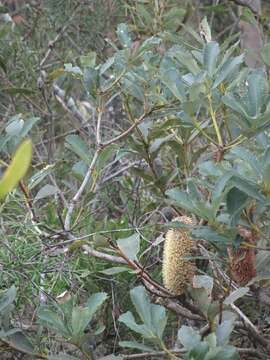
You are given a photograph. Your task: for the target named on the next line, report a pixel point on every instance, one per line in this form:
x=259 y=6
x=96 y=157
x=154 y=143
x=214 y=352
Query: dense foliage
x=116 y=118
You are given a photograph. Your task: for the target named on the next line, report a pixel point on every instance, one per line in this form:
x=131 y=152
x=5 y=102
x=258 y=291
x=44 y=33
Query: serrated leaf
x=236 y=105
x=17 y=168
x=123 y=35
x=78 y=146
x=157 y=143
x=265 y=53
x=222 y=353
x=210 y=57
x=80 y=318
x=236 y=201
x=188 y=337
x=7 y=297
x=28 y=124
x=95 y=301
x=45 y=191
x=21 y=342
x=247 y=156
x=130 y=246
x=39 y=176
x=227 y=69
x=105 y=155
x=258 y=91
x=247 y=187
x=203 y=281
x=180 y=198
x=52 y=320
x=235 y=295
x=74 y=70
x=173 y=80
x=224 y=330
x=14 y=127
x=129 y=320
x=154 y=316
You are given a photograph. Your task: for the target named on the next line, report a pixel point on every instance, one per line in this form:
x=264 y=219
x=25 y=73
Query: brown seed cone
x=243 y=260
x=177 y=269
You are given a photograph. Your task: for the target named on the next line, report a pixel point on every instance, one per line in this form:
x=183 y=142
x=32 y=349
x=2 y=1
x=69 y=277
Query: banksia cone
x=243 y=260
x=178 y=269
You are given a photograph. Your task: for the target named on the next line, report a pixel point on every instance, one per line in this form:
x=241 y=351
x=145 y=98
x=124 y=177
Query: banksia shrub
x=178 y=268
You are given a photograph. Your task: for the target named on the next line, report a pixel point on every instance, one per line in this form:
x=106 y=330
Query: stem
x=168 y=352
x=213 y=116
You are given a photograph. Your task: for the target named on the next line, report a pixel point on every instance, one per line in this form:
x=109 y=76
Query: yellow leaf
x=17 y=168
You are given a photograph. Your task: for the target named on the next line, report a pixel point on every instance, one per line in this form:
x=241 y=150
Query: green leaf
x=258 y=90
x=28 y=124
x=135 y=345
x=173 y=80
x=45 y=191
x=21 y=342
x=79 y=169
x=180 y=198
x=39 y=176
x=154 y=316
x=205 y=29
x=203 y=281
x=95 y=301
x=73 y=70
x=227 y=69
x=185 y=58
x=247 y=187
x=198 y=352
x=128 y=319
x=123 y=35
x=130 y=246
x=7 y=297
x=78 y=146
x=105 y=155
x=15 y=126
x=80 y=318
x=112 y=357
x=115 y=270
x=210 y=57
x=157 y=143
x=3 y=64
x=224 y=330
x=188 y=337
x=17 y=91
x=142 y=304
x=235 y=104
x=17 y=168
x=248 y=157
x=235 y=295
x=222 y=353
x=236 y=201
x=62 y=356
x=208 y=234
x=265 y=53
x=52 y=320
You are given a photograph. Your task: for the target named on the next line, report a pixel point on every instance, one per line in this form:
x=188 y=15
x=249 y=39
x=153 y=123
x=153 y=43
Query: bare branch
x=104 y=256
x=251 y=4
x=78 y=194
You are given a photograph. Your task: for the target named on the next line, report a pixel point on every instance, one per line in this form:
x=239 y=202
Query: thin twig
x=58 y=36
